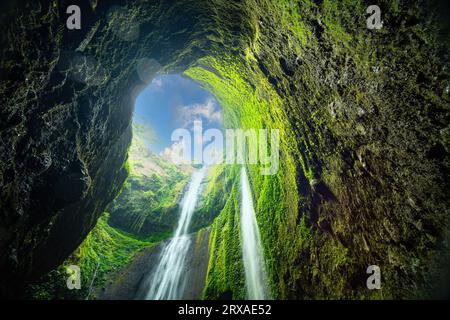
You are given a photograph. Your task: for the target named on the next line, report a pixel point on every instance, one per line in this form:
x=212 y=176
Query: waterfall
x=167 y=281
x=253 y=256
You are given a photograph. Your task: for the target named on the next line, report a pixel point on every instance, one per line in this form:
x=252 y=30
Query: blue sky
x=171 y=102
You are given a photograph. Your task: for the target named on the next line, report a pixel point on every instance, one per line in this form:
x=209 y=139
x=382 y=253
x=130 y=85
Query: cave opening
x=356 y=180
x=163 y=199
x=148 y=205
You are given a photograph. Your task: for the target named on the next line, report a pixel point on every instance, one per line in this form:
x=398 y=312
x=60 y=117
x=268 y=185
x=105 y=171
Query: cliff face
x=64 y=141
x=197 y=265
x=148 y=204
x=363 y=116
x=67 y=98
x=132 y=281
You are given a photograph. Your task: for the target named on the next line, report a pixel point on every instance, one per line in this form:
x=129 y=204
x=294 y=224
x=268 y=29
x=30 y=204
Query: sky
x=171 y=102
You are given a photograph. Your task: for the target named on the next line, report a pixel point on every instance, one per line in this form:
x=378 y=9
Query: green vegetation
x=144 y=213
x=105 y=249
x=225 y=274
x=243 y=107
x=352 y=175
x=363 y=118
x=149 y=201
x=213 y=197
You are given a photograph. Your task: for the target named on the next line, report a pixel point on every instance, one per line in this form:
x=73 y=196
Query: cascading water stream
x=166 y=280
x=253 y=256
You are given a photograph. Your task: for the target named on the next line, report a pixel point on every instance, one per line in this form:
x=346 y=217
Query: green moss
x=225 y=274
x=245 y=107
x=342 y=113
x=363 y=120
x=105 y=249
x=213 y=198
x=148 y=203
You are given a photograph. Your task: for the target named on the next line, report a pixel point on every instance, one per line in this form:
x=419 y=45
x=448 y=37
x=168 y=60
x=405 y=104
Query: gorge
x=364 y=139
x=167 y=281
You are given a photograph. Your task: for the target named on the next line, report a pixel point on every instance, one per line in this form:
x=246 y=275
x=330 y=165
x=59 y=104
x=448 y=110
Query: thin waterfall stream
x=254 y=265
x=166 y=281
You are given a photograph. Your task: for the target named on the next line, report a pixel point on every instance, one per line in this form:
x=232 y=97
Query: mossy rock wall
x=363 y=117
x=67 y=98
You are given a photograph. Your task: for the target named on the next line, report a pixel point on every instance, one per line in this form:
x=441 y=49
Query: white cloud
x=157 y=83
x=206 y=110
x=178 y=152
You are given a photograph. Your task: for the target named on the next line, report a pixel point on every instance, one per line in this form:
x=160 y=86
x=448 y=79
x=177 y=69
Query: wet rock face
x=368 y=113
x=64 y=142
x=132 y=282
x=67 y=99
x=126 y=283
x=377 y=152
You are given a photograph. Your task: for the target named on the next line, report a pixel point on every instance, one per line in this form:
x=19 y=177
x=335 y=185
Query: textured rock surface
x=148 y=204
x=365 y=149
x=64 y=141
x=124 y=285
x=130 y=282
x=364 y=114
x=197 y=266
x=67 y=98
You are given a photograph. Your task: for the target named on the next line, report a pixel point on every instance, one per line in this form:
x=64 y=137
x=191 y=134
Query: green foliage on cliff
x=363 y=120
x=104 y=251
x=275 y=196
x=363 y=127
x=213 y=196
x=225 y=274
x=148 y=204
